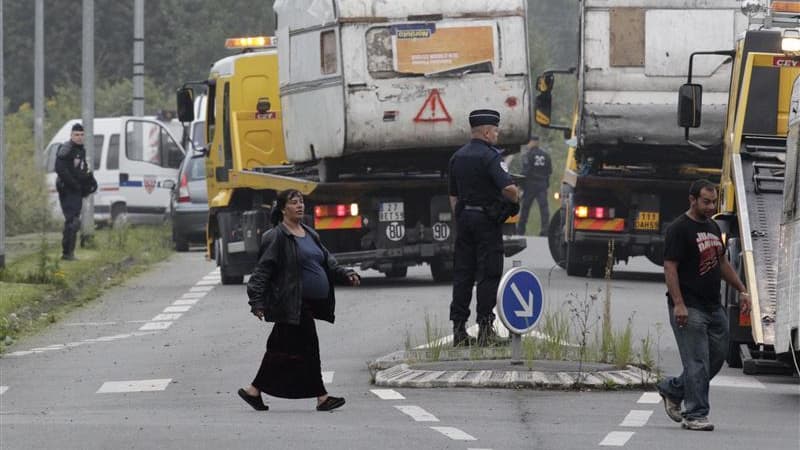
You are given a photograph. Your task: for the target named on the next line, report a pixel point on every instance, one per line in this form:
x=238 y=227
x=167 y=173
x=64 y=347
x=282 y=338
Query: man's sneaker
x=700 y=424
x=672 y=408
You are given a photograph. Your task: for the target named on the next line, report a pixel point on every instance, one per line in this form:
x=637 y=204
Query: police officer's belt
x=473 y=208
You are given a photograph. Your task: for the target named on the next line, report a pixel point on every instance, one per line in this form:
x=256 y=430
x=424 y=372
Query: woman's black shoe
x=254 y=401
x=330 y=403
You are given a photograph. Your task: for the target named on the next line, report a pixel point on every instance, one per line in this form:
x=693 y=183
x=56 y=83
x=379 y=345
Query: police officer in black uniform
x=536 y=168
x=74 y=182
x=479 y=185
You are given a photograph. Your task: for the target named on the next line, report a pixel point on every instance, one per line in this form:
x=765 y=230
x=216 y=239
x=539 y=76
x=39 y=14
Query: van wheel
x=181 y=243
x=119 y=215
x=397 y=272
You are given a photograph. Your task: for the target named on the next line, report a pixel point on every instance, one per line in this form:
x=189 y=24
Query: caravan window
x=112 y=159
x=150 y=142
x=327 y=52
x=98 y=150
x=429 y=49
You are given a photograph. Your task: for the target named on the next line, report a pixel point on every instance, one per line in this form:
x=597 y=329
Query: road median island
x=37 y=287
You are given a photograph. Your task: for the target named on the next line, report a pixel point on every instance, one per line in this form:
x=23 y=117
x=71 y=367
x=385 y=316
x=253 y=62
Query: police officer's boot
x=487 y=336
x=68 y=246
x=460 y=336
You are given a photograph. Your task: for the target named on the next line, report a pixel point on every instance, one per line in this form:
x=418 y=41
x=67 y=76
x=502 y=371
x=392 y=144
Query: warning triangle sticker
x=433 y=110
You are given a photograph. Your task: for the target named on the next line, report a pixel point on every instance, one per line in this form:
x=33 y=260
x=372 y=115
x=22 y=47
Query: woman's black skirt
x=291 y=366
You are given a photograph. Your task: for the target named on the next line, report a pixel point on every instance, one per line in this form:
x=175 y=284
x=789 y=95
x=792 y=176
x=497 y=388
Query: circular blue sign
x=520 y=300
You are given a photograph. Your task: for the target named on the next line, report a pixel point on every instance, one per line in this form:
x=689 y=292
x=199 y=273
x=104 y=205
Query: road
x=182 y=344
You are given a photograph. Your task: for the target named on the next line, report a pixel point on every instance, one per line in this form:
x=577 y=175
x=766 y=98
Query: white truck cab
x=136 y=163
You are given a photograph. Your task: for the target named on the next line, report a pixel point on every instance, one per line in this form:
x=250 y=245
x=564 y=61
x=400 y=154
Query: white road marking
x=478 y=448
x=454 y=433
x=112 y=387
x=151 y=326
x=215 y=277
x=184 y=302
x=616 y=439
x=636 y=418
x=177 y=309
x=736 y=382
x=201 y=289
x=388 y=394
x=417 y=413
x=194 y=295
x=167 y=316
x=207 y=283
x=3 y=389
x=651 y=398
x=327 y=377
x=76 y=344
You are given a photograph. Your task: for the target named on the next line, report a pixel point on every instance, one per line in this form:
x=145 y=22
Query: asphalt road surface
x=156 y=362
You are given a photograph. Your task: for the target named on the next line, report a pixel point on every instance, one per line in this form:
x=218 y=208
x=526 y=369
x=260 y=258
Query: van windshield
x=431 y=49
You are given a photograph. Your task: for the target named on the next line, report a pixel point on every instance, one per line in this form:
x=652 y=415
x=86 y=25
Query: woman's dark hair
x=280 y=202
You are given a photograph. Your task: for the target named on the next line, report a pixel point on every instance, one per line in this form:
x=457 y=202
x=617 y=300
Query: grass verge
x=36 y=287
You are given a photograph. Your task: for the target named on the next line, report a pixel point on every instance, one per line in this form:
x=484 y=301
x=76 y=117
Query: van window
x=198 y=134
x=98 y=150
x=112 y=159
x=150 y=142
x=425 y=49
x=327 y=52
x=195 y=169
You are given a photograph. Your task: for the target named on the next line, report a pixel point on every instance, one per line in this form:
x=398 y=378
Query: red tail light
x=341 y=210
x=183 y=191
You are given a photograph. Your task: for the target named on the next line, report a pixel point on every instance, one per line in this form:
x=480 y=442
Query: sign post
x=520 y=302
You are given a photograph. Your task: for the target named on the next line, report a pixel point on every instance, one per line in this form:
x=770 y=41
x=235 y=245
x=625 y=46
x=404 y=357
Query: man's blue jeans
x=703 y=345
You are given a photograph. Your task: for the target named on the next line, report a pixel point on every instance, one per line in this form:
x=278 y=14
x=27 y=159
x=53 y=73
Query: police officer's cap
x=77 y=127
x=484 y=117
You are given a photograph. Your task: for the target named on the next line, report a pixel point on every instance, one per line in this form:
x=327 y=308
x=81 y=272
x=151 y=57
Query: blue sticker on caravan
x=130 y=183
x=413 y=30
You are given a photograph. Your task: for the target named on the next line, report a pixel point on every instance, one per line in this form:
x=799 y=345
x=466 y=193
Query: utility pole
x=87 y=114
x=2 y=148
x=138 y=58
x=38 y=83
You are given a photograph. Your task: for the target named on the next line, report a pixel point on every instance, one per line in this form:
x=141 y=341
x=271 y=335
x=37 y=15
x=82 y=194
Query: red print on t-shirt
x=709 y=246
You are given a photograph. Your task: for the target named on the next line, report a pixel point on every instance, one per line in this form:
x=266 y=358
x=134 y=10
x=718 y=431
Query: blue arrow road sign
x=520 y=300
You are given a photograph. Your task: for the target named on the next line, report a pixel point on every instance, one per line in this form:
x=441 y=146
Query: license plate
x=647 y=220
x=391 y=212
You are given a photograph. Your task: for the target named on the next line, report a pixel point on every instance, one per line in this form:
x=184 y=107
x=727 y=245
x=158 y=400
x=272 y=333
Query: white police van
x=136 y=163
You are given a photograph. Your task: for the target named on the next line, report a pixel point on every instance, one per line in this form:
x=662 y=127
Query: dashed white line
x=166 y=316
x=194 y=295
x=636 y=418
x=206 y=282
x=650 y=398
x=454 y=433
x=616 y=439
x=201 y=288
x=89 y=324
x=184 y=302
x=736 y=382
x=327 y=377
x=388 y=394
x=3 y=389
x=151 y=326
x=417 y=413
x=113 y=387
x=177 y=309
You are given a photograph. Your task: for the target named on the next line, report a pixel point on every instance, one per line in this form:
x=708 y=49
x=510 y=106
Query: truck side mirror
x=185 y=100
x=690 y=103
x=544 y=83
x=543 y=109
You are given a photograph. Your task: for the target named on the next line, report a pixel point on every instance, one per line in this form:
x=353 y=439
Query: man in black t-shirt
x=694 y=264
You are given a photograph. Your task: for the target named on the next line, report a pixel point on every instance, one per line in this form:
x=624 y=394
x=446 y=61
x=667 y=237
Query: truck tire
x=397 y=272
x=555 y=239
x=225 y=277
x=575 y=268
x=441 y=270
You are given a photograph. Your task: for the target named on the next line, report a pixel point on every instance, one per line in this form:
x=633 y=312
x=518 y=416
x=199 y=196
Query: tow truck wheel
x=397 y=272
x=225 y=278
x=575 y=268
x=441 y=271
x=555 y=239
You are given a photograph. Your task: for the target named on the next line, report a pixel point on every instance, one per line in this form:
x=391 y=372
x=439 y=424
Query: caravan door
x=148 y=169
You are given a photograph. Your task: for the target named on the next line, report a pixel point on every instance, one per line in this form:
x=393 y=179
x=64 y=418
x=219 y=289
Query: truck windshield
x=431 y=49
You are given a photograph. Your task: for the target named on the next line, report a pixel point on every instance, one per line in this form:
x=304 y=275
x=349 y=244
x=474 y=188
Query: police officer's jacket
x=537 y=167
x=477 y=174
x=71 y=167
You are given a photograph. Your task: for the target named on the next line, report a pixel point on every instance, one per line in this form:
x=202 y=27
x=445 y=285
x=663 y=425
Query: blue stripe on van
x=130 y=183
